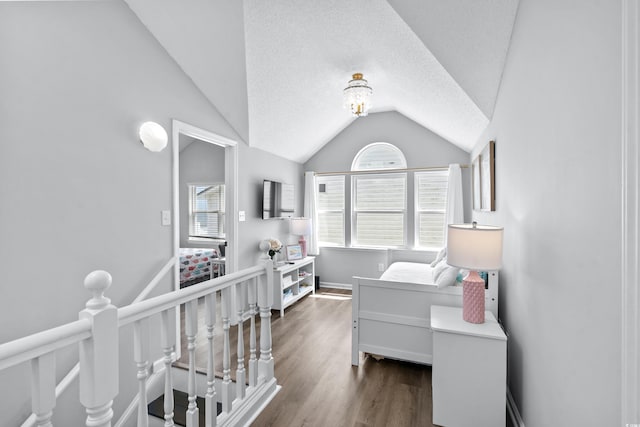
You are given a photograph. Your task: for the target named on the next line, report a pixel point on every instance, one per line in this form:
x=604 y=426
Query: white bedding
x=411 y=272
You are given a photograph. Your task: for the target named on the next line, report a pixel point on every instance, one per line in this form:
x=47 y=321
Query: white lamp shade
x=300 y=226
x=153 y=136
x=474 y=248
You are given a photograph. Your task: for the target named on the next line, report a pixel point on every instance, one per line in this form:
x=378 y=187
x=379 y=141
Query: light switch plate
x=166 y=218
x=241 y=216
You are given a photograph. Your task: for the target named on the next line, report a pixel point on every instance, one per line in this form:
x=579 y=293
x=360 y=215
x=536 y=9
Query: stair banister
x=156 y=279
x=97 y=334
x=73 y=373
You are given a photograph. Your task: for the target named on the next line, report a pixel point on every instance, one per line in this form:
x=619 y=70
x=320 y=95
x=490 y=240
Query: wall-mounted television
x=277 y=200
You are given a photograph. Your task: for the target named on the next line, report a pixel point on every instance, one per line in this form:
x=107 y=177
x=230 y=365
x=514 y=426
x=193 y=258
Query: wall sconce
x=153 y=136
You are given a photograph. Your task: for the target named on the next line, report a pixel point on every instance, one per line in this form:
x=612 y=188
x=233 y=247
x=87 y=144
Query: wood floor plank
x=312 y=352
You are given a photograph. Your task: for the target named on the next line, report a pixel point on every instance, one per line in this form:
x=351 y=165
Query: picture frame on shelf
x=294 y=252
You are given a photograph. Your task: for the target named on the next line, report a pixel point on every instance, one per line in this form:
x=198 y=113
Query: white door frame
x=231 y=200
x=630 y=304
x=230 y=181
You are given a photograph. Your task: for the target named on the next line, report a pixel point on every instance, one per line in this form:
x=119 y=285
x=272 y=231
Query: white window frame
x=355 y=211
x=220 y=235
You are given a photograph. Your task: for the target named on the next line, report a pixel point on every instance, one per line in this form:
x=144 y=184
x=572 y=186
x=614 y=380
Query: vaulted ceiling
x=276 y=69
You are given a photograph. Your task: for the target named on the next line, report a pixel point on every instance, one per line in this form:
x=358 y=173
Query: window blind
x=379 y=209
x=430 y=202
x=330 y=209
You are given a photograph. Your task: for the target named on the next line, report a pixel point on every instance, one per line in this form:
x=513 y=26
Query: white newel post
x=99 y=370
x=265 y=300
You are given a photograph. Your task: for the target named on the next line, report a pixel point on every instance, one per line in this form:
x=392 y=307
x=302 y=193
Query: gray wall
x=254 y=167
x=79 y=192
x=200 y=162
x=557 y=126
x=421 y=148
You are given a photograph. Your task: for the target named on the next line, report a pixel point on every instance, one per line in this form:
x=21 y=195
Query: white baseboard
x=335 y=285
x=514 y=413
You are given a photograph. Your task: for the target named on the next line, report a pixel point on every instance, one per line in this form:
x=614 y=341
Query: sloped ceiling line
x=275 y=70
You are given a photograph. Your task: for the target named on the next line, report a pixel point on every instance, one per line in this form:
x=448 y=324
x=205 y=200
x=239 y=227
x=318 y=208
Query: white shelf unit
x=291 y=282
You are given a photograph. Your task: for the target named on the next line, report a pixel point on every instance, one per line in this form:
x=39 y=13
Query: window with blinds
x=206 y=211
x=379 y=209
x=430 y=204
x=330 y=207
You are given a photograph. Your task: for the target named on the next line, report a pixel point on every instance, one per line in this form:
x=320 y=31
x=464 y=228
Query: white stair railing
x=73 y=373
x=97 y=334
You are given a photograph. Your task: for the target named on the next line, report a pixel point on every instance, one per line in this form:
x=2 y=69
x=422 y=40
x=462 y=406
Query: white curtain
x=455 y=209
x=310 y=211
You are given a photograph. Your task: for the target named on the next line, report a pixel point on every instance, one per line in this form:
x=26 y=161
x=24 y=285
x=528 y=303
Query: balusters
x=43 y=388
x=241 y=382
x=211 y=406
x=167 y=340
x=191 y=329
x=141 y=357
x=253 y=362
x=226 y=358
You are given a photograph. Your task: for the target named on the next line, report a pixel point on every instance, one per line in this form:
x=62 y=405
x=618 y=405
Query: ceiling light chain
x=357 y=96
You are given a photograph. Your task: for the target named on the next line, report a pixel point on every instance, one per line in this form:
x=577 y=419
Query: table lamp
x=301 y=227
x=474 y=247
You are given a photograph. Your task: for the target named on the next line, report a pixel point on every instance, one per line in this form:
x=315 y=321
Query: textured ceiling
x=276 y=69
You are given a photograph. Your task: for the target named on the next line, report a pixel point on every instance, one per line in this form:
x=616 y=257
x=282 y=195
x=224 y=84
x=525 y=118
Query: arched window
x=380 y=202
x=379 y=155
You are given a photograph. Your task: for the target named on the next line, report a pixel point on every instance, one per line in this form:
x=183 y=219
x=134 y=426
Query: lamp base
x=473 y=298
x=303 y=246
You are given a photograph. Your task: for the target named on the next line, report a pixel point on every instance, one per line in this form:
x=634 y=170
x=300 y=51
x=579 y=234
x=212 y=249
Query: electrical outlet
x=381 y=267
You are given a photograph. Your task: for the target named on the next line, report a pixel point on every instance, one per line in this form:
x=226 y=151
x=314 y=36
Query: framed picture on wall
x=484 y=179
x=294 y=252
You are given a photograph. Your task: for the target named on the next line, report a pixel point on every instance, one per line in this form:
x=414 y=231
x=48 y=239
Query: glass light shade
x=153 y=136
x=357 y=96
x=474 y=247
x=300 y=226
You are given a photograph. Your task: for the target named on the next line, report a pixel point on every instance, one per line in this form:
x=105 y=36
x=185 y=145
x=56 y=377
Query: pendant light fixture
x=357 y=96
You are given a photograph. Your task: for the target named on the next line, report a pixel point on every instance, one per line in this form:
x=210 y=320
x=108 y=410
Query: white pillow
x=447 y=276
x=441 y=254
x=439 y=268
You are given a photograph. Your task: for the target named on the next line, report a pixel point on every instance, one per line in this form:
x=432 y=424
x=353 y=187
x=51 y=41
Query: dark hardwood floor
x=312 y=352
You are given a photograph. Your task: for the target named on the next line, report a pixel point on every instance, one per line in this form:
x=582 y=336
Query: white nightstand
x=469 y=376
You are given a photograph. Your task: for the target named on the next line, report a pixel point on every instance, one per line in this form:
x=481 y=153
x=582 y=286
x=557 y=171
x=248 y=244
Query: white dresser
x=469 y=376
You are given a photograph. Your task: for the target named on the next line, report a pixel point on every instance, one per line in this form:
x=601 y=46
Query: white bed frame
x=393 y=319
